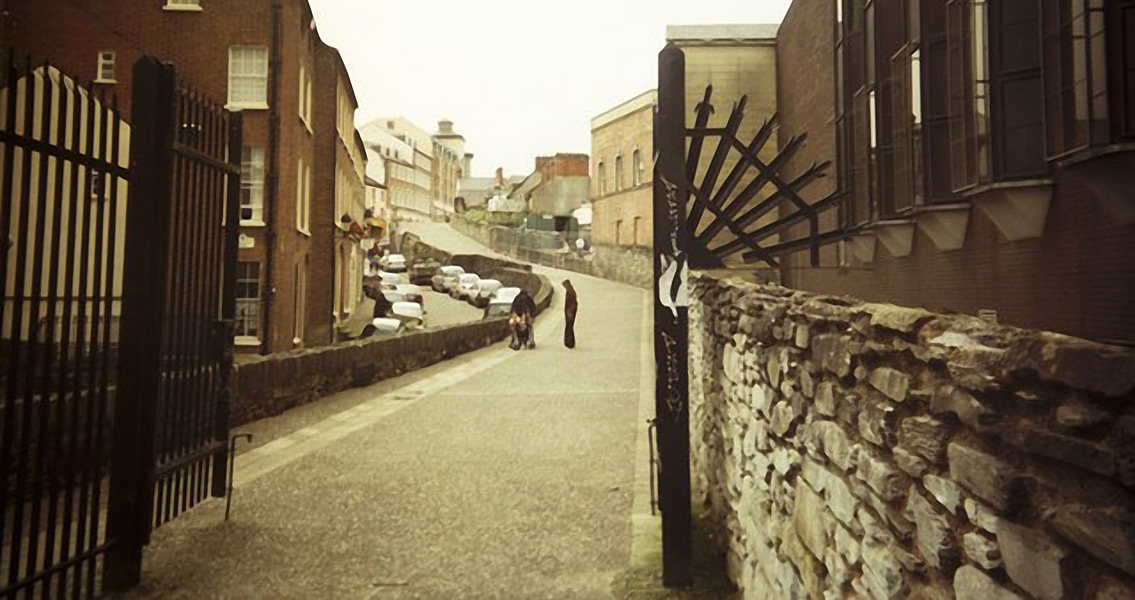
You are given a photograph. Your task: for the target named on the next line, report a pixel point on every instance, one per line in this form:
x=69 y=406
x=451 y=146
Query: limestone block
x=886 y=480
x=761 y=399
x=837 y=494
x=846 y=543
x=787 y=388
x=873 y=527
x=839 y=572
x=1076 y=451
x=1106 y=532
x=831 y=351
x=946 y=492
x=894 y=384
x=925 y=436
x=935 y=539
x=812 y=524
x=782 y=418
x=971 y=583
x=905 y=320
x=986 y=476
x=801 y=335
x=807 y=383
x=825 y=399
x=911 y=464
x=772 y=369
x=882 y=571
x=950 y=399
x=1033 y=560
x=784 y=460
x=835 y=444
x=874 y=422
x=1076 y=416
x=982 y=550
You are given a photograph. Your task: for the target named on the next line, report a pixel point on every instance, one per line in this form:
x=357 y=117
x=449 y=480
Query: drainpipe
x=273 y=174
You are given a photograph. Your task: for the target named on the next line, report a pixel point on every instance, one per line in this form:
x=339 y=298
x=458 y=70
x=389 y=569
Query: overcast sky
x=519 y=78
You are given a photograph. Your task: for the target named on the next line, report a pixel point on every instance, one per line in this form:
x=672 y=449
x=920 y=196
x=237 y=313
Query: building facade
x=448 y=166
x=983 y=153
x=257 y=57
x=408 y=151
x=738 y=60
x=622 y=196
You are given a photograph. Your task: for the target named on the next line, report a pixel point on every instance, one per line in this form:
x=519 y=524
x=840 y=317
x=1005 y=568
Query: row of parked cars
x=489 y=294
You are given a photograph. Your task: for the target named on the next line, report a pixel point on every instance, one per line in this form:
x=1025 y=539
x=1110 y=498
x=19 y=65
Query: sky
x=519 y=78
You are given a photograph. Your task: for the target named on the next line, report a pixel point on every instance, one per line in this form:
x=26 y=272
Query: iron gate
x=118 y=288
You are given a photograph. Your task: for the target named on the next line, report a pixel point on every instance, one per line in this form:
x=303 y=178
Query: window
x=1123 y=29
x=618 y=172
x=303 y=197
x=248 y=77
x=636 y=167
x=105 y=71
x=936 y=104
x=635 y=231
x=601 y=182
x=252 y=185
x=305 y=98
x=247 y=302
x=183 y=5
x=1018 y=89
x=618 y=232
x=299 y=305
x=1075 y=72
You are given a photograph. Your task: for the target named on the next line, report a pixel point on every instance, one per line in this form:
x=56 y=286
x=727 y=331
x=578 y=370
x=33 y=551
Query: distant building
x=557 y=186
x=448 y=166
x=622 y=196
x=739 y=60
x=408 y=186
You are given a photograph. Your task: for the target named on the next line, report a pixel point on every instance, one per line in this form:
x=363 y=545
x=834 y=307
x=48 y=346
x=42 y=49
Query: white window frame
x=305 y=98
x=104 y=62
x=303 y=198
x=245 y=103
x=299 y=301
x=183 y=5
x=248 y=340
x=252 y=185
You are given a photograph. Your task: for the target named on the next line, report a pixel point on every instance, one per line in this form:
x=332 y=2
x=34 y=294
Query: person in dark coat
x=522 y=319
x=382 y=306
x=571 y=307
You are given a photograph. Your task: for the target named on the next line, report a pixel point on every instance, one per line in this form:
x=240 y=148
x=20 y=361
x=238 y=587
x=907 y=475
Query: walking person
x=522 y=320
x=571 y=307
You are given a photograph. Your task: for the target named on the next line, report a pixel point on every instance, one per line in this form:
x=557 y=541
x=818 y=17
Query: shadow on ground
x=710 y=578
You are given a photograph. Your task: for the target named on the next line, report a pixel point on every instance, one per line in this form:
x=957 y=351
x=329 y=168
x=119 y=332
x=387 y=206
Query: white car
x=409 y=313
x=394 y=263
x=466 y=286
x=498 y=308
x=506 y=294
x=445 y=275
x=389 y=280
x=387 y=328
x=405 y=292
x=486 y=290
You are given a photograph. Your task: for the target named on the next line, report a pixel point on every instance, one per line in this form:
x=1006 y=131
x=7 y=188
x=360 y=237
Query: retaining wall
x=625 y=264
x=846 y=448
x=269 y=385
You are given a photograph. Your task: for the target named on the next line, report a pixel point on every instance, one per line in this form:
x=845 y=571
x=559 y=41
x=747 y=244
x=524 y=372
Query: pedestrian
x=571 y=307
x=382 y=306
x=522 y=321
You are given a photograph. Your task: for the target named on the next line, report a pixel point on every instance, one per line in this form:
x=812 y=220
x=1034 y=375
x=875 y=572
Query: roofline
x=339 y=63
x=696 y=35
x=624 y=108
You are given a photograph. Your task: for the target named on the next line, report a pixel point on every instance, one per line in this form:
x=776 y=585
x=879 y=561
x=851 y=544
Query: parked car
x=393 y=263
x=409 y=313
x=388 y=280
x=385 y=328
x=485 y=292
x=498 y=308
x=422 y=271
x=444 y=275
x=466 y=286
x=506 y=294
x=412 y=293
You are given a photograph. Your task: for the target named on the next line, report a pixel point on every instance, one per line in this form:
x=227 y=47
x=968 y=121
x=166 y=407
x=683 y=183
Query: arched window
x=636 y=167
x=618 y=172
x=601 y=181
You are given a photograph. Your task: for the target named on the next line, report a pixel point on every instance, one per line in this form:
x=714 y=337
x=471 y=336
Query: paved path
x=497 y=474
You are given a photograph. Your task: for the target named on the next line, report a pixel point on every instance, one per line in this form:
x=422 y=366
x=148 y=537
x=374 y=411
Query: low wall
x=624 y=264
x=846 y=448
x=269 y=385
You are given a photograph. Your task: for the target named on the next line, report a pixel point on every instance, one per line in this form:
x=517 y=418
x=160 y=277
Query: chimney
x=467 y=164
x=500 y=176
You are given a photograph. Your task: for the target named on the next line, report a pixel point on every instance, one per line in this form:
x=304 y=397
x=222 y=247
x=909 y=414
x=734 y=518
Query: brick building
x=983 y=149
x=339 y=208
x=557 y=187
x=256 y=56
x=622 y=194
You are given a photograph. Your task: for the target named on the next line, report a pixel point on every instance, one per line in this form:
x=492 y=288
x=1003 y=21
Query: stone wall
x=269 y=385
x=846 y=448
x=630 y=265
x=272 y=384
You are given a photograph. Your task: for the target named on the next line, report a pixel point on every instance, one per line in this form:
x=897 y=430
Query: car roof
x=452 y=268
x=491 y=282
x=469 y=276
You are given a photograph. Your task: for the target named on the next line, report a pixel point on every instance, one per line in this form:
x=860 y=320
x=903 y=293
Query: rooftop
x=722 y=33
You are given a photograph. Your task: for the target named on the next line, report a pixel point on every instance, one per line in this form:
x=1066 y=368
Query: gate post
x=671 y=318
x=226 y=327
x=140 y=342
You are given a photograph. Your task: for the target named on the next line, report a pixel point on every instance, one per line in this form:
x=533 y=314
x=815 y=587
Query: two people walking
x=523 y=316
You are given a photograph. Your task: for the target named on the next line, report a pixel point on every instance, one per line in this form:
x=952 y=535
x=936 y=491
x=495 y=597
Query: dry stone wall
x=847 y=449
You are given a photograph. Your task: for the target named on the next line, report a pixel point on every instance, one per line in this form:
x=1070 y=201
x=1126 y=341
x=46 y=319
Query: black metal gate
x=681 y=242
x=113 y=344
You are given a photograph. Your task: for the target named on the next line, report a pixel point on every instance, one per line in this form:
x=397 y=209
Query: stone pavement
x=497 y=474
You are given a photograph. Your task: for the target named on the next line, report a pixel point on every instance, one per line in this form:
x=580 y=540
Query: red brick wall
x=323 y=230
x=1078 y=278
x=71 y=32
x=562 y=165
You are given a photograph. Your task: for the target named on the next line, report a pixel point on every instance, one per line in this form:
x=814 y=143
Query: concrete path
x=499 y=474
